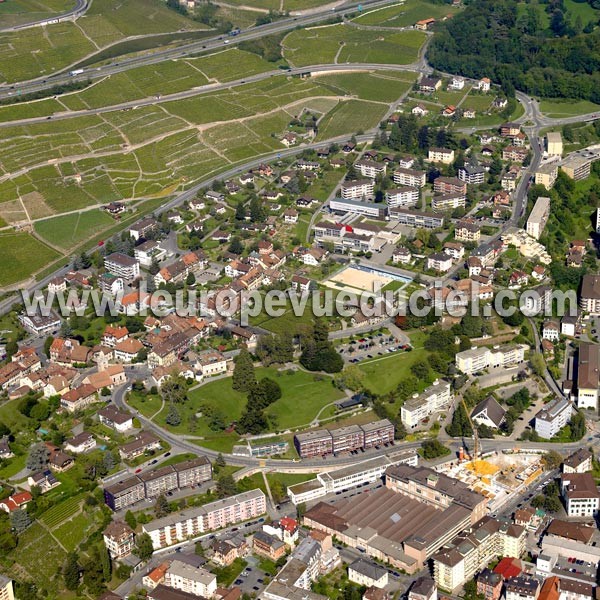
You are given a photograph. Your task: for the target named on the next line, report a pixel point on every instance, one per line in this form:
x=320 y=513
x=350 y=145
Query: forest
x=550 y=55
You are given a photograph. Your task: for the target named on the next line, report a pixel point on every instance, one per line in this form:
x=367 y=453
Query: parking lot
x=371 y=346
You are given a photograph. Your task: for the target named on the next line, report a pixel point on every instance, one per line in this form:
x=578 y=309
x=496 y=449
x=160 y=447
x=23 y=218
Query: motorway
x=206 y=45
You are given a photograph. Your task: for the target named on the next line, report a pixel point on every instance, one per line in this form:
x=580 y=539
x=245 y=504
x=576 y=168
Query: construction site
x=496 y=475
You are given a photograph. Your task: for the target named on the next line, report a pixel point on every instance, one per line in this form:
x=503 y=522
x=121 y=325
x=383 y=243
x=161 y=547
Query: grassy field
x=22 y=255
x=379 y=86
x=583 y=10
x=343 y=43
x=69 y=231
x=385 y=373
x=358 y=114
x=560 y=107
x=302 y=398
x=406 y=14
x=44 y=50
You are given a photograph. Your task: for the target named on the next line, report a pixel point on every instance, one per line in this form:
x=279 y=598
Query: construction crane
x=472 y=455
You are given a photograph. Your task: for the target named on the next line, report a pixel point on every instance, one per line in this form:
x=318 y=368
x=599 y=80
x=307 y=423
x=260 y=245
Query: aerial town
x=299 y=300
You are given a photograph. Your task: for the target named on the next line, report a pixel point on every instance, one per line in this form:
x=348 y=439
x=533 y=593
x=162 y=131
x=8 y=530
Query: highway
x=79 y=9
x=217 y=42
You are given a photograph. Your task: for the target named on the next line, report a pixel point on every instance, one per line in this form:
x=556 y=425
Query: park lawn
x=383 y=87
x=562 y=107
x=68 y=231
x=302 y=398
x=178 y=458
x=350 y=117
x=22 y=255
x=405 y=14
x=13 y=466
x=11 y=417
x=289 y=478
x=343 y=43
x=383 y=374
x=287 y=323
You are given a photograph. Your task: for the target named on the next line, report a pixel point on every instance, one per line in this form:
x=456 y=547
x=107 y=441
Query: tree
x=144 y=548
x=318 y=353
x=105 y=562
x=37 y=458
x=161 y=507
x=552 y=460
x=130 y=519
x=271 y=389
x=47 y=343
x=71 y=571
x=173 y=417
x=236 y=246
x=421 y=370
x=190 y=279
x=226 y=486
x=20 y=520
x=108 y=461
x=433 y=449
x=219 y=463
x=351 y=377
x=174 y=389
x=460 y=425
x=538 y=364
x=243 y=373
x=470 y=591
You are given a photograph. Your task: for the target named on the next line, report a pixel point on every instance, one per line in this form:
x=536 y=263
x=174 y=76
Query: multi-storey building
x=477 y=359
x=576 y=167
x=581 y=461
x=546 y=174
x=370 y=168
x=473 y=549
x=180 y=526
x=472 y=174
x=349 y=205
x=538 y=217
x=449 y=185
x=360 y=188
x=554 y=144
x=121 y=265
x=119 y=539
x=410 y=177
x=588 y=376
x=436 y=397
x=443 y=155
x=467 y=232
x=448 y=201
x=193 y=580
x=402 y=197
x=521 y=588
x=344 y=439
x=589 y=299
x=415 y=218
x=156 y=482
x=553 y=417
x=6 y=588
x=580 y=494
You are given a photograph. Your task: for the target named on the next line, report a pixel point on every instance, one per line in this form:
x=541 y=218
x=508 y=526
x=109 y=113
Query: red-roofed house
x=508 y=567
x=16 y=501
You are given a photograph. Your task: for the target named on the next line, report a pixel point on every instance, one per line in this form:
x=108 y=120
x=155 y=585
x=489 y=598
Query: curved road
x=79 y=9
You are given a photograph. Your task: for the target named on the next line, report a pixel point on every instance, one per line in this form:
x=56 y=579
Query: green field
x=405 y=14
x=302 y=398
x=379 y=86
x=385 y=373
x=356 y=114
x=18 y=12
x=22 y=255
x=71 y=230
x=558 y=108
x=40 y=558
x=343 y=43
x=44 y=50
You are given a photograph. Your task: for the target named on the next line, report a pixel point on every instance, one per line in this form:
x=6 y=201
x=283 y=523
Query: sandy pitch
x=362 y=280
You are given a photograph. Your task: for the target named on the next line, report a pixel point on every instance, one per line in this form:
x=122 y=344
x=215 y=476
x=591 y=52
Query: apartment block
x=580 y=494
x=449 y=185
x=588 y=376
x=370 y=168
x=118 y=539
x=589 y=298
x=538 y=217
x=546 y=175
x=436 y=397
x=402 y=197
x=188 y=578
x=360 y=188
x=180 y=526
x=121 y=265
x=448 y=201
x=443 y=155
x=576 y=167
x=478 y=359
x=553 y=417
x=410 y=177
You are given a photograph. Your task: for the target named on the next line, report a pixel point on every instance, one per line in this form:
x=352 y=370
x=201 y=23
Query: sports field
x=356 y=279
x=343 y=43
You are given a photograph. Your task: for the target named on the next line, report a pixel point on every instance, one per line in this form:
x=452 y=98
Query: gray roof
x=368 y=568
x=492 y=409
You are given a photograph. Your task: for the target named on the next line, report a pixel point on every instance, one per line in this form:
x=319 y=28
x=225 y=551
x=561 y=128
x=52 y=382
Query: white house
x=550 y=331
x=367 y=573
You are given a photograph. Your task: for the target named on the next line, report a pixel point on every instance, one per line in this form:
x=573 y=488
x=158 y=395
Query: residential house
x=367 y=573
x=118 y=539
x=83 y=442
x=428 y=85
x=115 y=419
x=121 y=265
x=581 y=461
x=440 y=261
x=443 y=155
x=553 y=417
x=268 y=546
x=550 y=331
x=16 y=501
x=489 y=412
x=580 y=494
x=78 y=398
